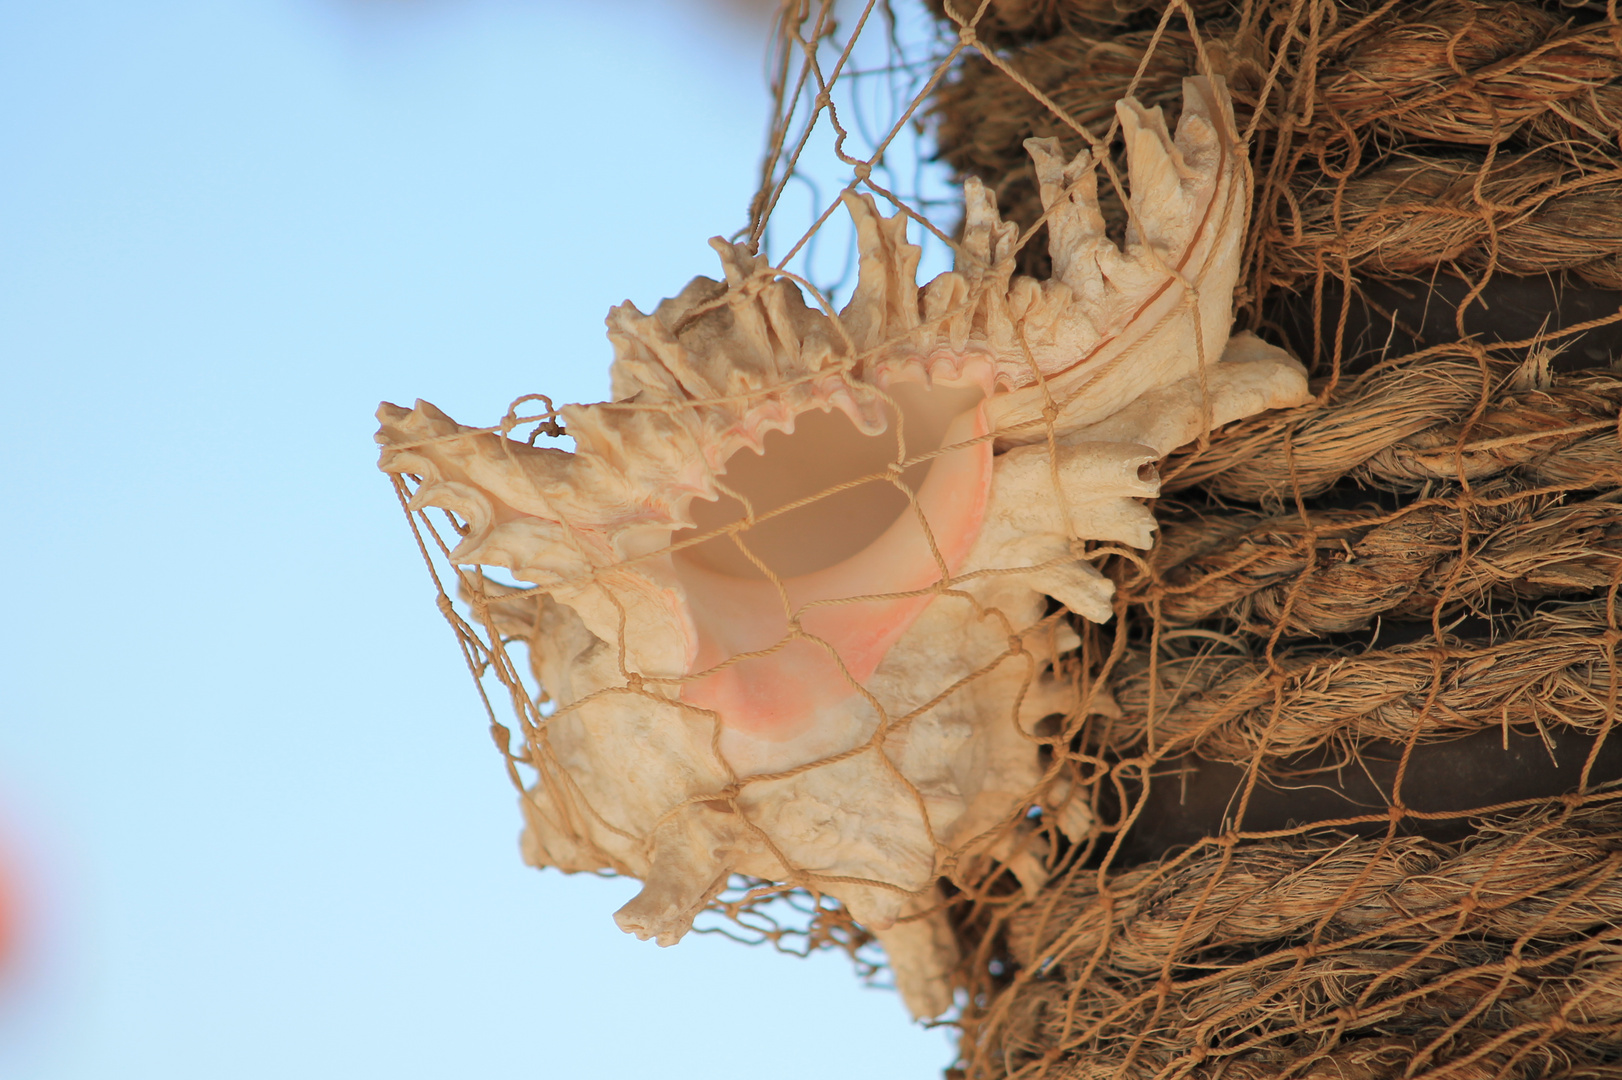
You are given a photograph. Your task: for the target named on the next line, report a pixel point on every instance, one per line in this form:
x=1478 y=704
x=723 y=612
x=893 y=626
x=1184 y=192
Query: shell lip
x=971 y=366
x=865 y=402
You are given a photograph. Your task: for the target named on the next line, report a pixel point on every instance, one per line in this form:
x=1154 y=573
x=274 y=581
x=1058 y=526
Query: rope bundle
x=1334 y=957
x=1557 y=668
x=1478 y=74
x=1414 y=422
x=1524 y=214
x=1334 y=571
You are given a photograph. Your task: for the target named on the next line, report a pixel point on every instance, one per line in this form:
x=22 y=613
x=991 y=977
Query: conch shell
x=792 y=587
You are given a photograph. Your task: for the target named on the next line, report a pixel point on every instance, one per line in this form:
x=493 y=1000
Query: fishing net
x=1334 y=792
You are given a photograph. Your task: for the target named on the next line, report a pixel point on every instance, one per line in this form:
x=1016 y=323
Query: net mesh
x=1347 y=739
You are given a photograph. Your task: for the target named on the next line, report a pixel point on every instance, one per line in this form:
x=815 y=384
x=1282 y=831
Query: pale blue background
x=264 y=830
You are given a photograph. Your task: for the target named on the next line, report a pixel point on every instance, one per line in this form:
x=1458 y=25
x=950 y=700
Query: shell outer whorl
x=792 y=589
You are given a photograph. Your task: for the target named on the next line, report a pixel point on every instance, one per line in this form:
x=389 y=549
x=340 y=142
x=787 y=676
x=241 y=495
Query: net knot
x=724 y=800
x=446 y=608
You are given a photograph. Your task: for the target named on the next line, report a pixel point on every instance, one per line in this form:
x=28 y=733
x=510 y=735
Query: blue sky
x=262 y=828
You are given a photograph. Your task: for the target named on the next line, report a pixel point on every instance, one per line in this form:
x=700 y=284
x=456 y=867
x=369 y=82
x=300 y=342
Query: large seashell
x=791 y=589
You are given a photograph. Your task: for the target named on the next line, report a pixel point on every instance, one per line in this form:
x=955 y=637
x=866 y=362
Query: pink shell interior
x=841 y=560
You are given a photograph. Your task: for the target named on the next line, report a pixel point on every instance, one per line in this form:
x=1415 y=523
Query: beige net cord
x=1347 y=740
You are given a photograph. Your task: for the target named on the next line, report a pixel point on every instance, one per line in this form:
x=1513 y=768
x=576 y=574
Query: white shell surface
x=793 y=591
